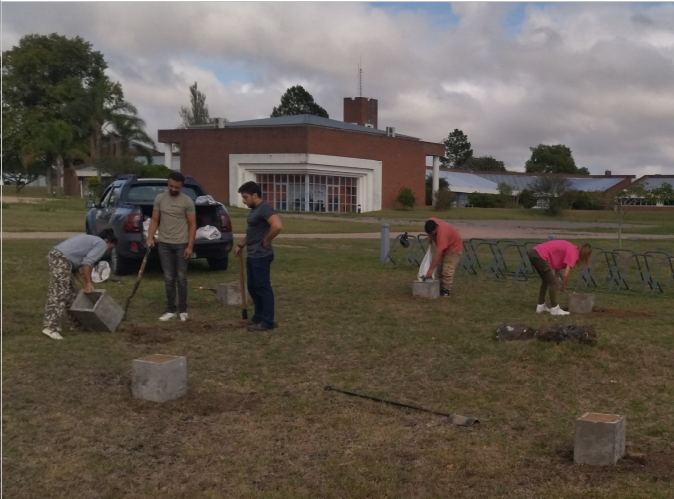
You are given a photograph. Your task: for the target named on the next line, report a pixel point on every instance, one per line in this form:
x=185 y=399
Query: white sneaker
x=183 y=316
x=542 y=308
x=558 y=311
x=167 y=316
x=52 y=334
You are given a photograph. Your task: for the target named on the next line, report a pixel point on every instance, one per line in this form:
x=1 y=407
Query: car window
x=106 y=198
x=105 y=195
x=141 y=193
x=114 y=196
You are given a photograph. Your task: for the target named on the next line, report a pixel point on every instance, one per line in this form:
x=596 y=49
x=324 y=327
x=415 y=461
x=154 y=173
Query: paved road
x=466 y=233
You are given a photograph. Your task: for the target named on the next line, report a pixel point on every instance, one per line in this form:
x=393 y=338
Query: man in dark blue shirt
x=263 y=226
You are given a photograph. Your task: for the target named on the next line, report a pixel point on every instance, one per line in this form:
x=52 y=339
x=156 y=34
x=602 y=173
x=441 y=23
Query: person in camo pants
x=71 y=259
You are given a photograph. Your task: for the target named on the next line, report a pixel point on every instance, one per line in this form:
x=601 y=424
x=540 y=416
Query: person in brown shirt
x=175 y=216
x=448 y=247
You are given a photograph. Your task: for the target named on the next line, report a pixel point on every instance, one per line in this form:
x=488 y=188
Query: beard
x=174 y=194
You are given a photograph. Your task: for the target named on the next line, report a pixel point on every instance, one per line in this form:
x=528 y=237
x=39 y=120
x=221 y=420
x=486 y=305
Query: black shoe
x=258 y=328
x=444 y=292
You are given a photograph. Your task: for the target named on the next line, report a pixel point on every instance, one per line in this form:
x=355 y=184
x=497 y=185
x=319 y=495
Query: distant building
x=306 y=162
x=465 y=182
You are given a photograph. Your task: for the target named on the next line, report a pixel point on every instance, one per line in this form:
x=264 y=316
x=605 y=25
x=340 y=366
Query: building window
x=321 y=193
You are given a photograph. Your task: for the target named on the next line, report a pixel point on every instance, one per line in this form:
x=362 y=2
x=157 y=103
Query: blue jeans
x=174 y=265
x=259 y=287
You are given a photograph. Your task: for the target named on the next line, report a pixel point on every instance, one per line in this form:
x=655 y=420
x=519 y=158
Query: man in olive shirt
x=263 y=226
x=175 y=215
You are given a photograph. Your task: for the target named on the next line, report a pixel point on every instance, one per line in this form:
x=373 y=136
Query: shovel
x=453 y=419
x=137 y=283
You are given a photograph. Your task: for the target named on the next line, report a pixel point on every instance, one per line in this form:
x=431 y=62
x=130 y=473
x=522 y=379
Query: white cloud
x=597 y=77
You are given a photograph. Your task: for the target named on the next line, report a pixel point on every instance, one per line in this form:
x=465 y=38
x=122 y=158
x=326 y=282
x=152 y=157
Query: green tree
x=197 y=113
x=129 y=131
x=553 y=190
x=505 y=193
x=484 y=164
x=14 y=172
x=623 y=201
x=45 y=78
x=551 y=159
x=296 y=100
x=457 y=150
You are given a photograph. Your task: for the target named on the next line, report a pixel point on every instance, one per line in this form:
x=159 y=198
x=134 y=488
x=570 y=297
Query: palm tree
x=128 y=129
x=102 y=104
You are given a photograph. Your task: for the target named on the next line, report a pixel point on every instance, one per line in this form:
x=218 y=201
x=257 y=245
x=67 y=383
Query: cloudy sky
x=597 y=77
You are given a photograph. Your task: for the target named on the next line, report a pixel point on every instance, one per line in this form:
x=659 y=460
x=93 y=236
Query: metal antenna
x=360 y=77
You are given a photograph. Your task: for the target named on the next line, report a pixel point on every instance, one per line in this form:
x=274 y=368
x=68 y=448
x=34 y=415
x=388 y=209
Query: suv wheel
x=120 y=265
x=218 y=263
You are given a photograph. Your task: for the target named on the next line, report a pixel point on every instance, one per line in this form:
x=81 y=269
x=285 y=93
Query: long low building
x=464 y=183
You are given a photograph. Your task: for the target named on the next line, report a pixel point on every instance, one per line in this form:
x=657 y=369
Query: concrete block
x=581 y=303
x=600 y=439
x=159 y=377
x=426 y=289
x=97 y=311
x=229 y=293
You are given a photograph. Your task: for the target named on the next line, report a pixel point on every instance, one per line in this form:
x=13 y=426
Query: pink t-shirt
x=558 y=253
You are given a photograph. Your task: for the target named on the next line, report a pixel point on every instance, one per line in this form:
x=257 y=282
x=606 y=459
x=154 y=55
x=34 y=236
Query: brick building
x=305 y=162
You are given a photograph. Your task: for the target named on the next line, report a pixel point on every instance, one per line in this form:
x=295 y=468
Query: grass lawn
x=257 y=421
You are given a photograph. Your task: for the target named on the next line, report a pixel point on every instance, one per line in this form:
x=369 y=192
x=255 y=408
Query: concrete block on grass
x=581 y=303
x=97 y=311
x=600 y=439
x=229 y=293
x=159 y=377
x=429 y=289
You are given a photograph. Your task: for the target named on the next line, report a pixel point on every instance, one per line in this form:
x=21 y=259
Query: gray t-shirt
x=257 y=230
x=173 y=211
x=83 y=250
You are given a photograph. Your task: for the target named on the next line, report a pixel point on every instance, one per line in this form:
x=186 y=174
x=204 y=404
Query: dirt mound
x=515 y=331
x=575 y=333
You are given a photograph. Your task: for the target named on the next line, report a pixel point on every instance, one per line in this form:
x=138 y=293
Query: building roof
x=468 y=182
x=485 y=182
x=308 y=119
x=655 y=181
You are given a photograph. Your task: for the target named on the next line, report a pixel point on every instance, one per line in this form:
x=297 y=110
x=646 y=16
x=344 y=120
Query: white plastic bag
x=205 y=200
x=426 y=264
x=207 y=232
x=146 y=228
x=100 y=272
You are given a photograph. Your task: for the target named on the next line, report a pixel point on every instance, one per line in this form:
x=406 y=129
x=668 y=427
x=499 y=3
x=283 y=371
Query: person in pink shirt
x=448 y=246
x=549 y=259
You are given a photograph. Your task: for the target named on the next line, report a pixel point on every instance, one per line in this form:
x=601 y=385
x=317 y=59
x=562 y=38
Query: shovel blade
x=457 y=420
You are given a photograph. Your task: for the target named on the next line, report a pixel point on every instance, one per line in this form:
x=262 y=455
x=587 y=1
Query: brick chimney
x=607 y=173
x=361 y=111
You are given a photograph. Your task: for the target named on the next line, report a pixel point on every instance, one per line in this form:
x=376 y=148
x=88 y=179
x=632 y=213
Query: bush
x=406 y=198
x=444 y=200
x=526 y=199
x=583 y=200
x=486 y=200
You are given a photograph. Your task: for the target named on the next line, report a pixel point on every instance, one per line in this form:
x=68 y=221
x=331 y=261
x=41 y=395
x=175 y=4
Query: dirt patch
x=201 y=403
x=145 y=335
x=656 y=465
x=619 y=314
